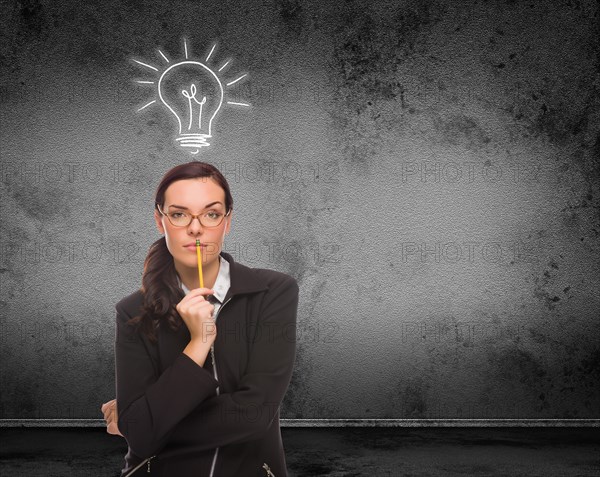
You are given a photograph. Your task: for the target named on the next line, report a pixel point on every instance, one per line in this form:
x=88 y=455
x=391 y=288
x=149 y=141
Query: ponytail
x=161 y=292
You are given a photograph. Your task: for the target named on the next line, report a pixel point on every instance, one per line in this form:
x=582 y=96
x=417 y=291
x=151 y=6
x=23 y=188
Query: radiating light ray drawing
x=193 y=92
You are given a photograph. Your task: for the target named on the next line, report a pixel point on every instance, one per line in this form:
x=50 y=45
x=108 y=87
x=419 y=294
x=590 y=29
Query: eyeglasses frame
x=194 y=216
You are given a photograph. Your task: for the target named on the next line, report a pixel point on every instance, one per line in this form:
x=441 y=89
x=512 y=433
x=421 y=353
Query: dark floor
x=89 y=452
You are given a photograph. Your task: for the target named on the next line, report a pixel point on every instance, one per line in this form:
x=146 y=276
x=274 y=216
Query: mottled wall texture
x=427 y=170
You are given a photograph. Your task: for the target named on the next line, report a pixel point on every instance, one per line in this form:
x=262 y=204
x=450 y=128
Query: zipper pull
x=148 y=470
x=268 y=470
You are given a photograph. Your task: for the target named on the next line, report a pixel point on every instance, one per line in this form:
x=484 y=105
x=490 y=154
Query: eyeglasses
x=181 y=218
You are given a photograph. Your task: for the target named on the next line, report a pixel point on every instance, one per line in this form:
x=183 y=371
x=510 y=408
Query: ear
x=228 y=223
x=158 y=220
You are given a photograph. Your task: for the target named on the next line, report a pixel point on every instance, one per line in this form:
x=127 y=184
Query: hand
x=196 y=311
x=110 y=416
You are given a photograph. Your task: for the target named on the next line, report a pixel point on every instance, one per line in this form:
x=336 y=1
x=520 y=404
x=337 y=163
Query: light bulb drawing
x=194 y=93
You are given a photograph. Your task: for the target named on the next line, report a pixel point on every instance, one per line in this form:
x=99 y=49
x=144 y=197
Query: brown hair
x=159 y=279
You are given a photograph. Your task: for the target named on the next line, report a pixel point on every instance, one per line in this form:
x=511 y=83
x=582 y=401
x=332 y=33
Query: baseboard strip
x=344 y=423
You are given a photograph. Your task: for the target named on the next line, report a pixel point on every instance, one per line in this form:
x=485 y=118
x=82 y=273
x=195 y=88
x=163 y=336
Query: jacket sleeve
x=246 y=413
x=150 y=406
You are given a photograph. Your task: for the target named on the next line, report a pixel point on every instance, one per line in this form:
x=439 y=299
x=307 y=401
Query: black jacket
x=169 y=407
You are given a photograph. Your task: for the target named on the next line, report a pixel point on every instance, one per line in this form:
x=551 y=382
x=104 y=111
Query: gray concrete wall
x=428 y=171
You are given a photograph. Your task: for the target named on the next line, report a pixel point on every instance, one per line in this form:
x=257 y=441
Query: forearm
x=229 y=418
x=150 y=405
x=147 y=421
x=197 y=350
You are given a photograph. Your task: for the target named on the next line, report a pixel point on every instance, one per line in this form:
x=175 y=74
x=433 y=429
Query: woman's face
x=194 y=196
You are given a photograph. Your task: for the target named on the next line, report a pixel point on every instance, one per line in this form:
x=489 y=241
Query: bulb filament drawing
x=191 y=108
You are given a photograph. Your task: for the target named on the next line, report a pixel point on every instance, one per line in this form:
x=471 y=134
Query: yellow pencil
x=199 y=256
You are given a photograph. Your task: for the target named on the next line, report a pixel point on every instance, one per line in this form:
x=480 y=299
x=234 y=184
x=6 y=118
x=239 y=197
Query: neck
x=190 y=278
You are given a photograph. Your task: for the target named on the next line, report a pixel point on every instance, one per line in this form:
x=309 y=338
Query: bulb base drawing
x=193 y=141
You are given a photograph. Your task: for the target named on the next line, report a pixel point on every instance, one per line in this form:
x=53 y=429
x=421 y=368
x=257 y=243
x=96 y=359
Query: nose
x=195 y=226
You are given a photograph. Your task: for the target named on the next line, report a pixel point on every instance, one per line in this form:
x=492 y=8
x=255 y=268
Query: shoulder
x=280 y=287
x=272 y=279
x=254 y=279
x=131 y=303
x=280 y=295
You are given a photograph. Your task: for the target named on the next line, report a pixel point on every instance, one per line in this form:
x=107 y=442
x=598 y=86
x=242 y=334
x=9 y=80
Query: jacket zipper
x=148 y=471
x=214 y=366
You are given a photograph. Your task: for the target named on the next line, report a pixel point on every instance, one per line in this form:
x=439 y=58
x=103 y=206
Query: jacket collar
x=243 y=278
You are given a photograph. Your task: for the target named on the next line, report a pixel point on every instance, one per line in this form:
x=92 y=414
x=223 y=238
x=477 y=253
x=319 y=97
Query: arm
x=245 y=414
x=150 y=406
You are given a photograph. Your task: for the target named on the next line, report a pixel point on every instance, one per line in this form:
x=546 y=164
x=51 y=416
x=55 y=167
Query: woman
x=197 y=394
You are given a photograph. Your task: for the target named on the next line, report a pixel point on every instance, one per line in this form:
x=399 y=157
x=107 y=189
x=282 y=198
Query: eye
x=177 y=215
x=213 y=214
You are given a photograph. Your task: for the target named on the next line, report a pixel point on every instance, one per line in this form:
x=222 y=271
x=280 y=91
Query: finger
x=196 y=306
x=112 y=402
x=201 y=312
x=203 y=290
x=191 y=298
x=107 y=408
x=112 y=428
x=194 y=300
x=199 y=292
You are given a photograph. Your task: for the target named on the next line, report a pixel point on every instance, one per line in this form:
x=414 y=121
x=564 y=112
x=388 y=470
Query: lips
x=192 y=246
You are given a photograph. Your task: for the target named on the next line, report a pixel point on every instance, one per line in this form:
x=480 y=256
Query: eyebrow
x=182 y=207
